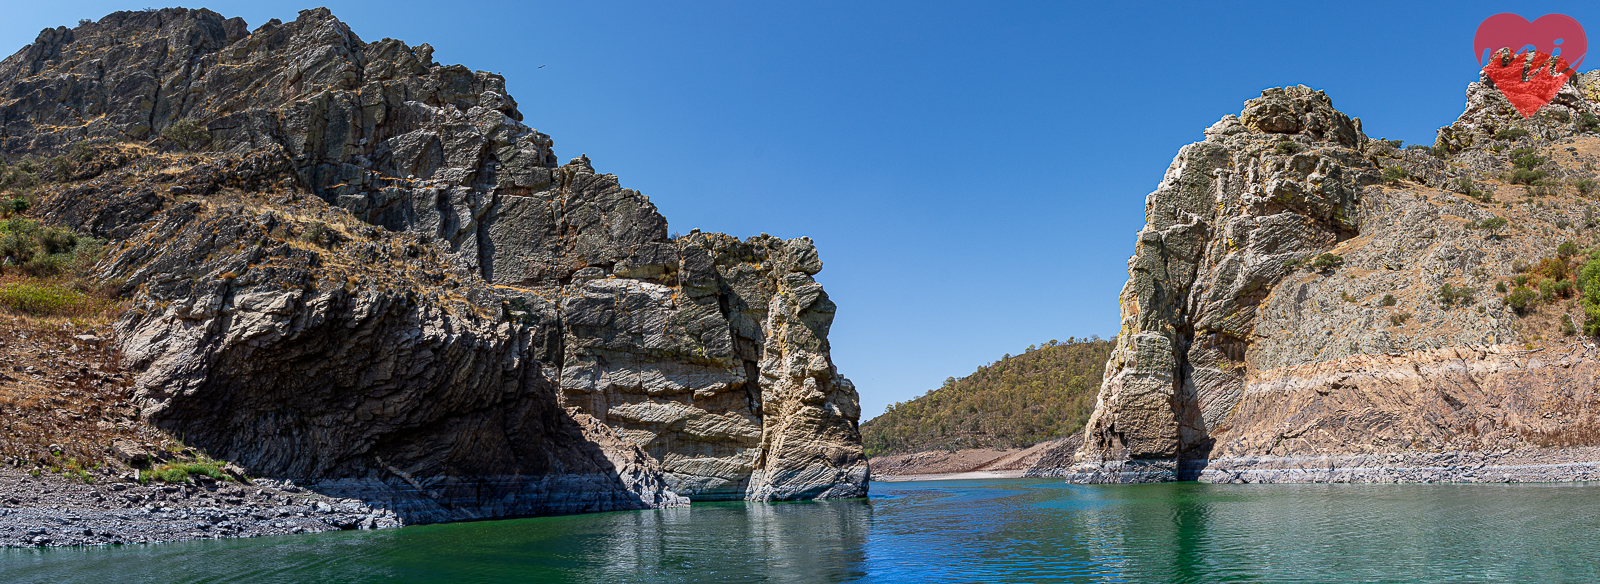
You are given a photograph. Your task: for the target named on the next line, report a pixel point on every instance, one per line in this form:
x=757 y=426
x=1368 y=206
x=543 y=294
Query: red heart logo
x=1530 y=88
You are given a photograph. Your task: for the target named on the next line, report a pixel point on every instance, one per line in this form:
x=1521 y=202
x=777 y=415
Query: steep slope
x=1306 y=303
x=371 y=277
x=1042 y=394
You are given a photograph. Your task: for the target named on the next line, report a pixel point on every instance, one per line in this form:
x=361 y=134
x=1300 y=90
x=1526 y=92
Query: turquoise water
x=1013 y=530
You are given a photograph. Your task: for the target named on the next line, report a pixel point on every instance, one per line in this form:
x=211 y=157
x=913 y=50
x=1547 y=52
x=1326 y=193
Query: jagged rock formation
x=450 y=321
x=1264 y=189
x=1238 y=353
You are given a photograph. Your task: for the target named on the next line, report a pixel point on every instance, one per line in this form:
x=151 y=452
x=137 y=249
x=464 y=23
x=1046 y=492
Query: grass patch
x=180 y=472
x=45 y=298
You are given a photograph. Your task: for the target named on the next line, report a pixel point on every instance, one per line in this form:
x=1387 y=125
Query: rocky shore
x=52 y=510
x=970 y=462
x=1519 y=465
x=1525 y=465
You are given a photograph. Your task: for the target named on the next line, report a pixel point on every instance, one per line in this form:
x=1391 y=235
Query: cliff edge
x=1306 y=303
x=356 y=268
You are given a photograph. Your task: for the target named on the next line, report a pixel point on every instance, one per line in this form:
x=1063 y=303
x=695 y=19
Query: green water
x=1017 y=530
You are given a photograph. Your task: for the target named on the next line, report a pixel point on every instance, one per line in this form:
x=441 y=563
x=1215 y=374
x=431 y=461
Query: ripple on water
x=1002 y=530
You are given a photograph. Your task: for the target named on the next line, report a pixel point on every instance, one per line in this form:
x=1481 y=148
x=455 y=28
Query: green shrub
x=1558 y=115
x=1500 y=287
x=1327 y=261
x=81 y=151
x=1585 y=186
x=1521 y=298
x=1450 y=296
x=1587 y=122
x=317 y=233
x=1567 y=249
x=1539 y=189
x=19 y=205
x=187 y=134
x=1526 y=176
x=1464 y=186
x=1493 y=225
x=17 y=248
x=1510 y=134
x=1550 y=290
x=1589 y=284
x=1399 y=319
x=1395 y=174
x=1389 y=300
x=1287 y=147
x=1526 y=162
x=60 y=168
x=44 y=251
x=21 y=176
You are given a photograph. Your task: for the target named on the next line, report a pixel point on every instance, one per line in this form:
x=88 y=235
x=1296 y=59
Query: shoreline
x=1525 y=465
x=54 y=511
x=950 y=476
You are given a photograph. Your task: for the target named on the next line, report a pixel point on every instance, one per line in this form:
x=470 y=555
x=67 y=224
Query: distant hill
x=1047 y=392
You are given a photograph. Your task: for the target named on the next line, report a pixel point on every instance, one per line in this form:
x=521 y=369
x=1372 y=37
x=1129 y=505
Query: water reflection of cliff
x=820 y=541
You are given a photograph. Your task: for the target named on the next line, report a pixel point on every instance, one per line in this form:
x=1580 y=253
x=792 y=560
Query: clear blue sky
x=973 y=173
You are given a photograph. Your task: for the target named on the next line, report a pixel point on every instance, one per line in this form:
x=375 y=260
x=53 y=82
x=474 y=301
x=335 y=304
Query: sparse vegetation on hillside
x=1526 y=163
x=44 y=271
x=1045 y=393
x=187 y=134
x=1511 y=134
x=1552 y=279
x=1586 y=123
x=1394 y=174
x=1493 y=225
x=1450 y=296
x=1589 y=283
x=1325 y=262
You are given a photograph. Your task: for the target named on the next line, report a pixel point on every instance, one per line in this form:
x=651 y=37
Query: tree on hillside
x=1019 y=400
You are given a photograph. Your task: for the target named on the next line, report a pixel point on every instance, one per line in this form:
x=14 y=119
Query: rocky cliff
x=356 y=268
x=1307 y=303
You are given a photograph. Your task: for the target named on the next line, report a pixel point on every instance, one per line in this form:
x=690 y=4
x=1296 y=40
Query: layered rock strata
x=372 y=278
x=1240 y=353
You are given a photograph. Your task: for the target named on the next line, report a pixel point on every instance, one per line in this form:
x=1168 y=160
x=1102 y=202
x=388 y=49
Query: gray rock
x=490 y=335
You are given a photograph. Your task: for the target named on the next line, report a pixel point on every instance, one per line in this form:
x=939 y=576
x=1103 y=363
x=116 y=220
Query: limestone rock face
x=375 y=277
x=725 y=378
x=1243 y=359
x=1263 y=191
x=1488 y=111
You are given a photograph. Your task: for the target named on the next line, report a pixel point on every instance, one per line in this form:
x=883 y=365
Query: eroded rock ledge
x=1242 y=359
x=375 y=280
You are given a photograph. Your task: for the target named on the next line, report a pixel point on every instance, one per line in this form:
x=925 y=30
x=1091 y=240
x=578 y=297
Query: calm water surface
x=1014 y=530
